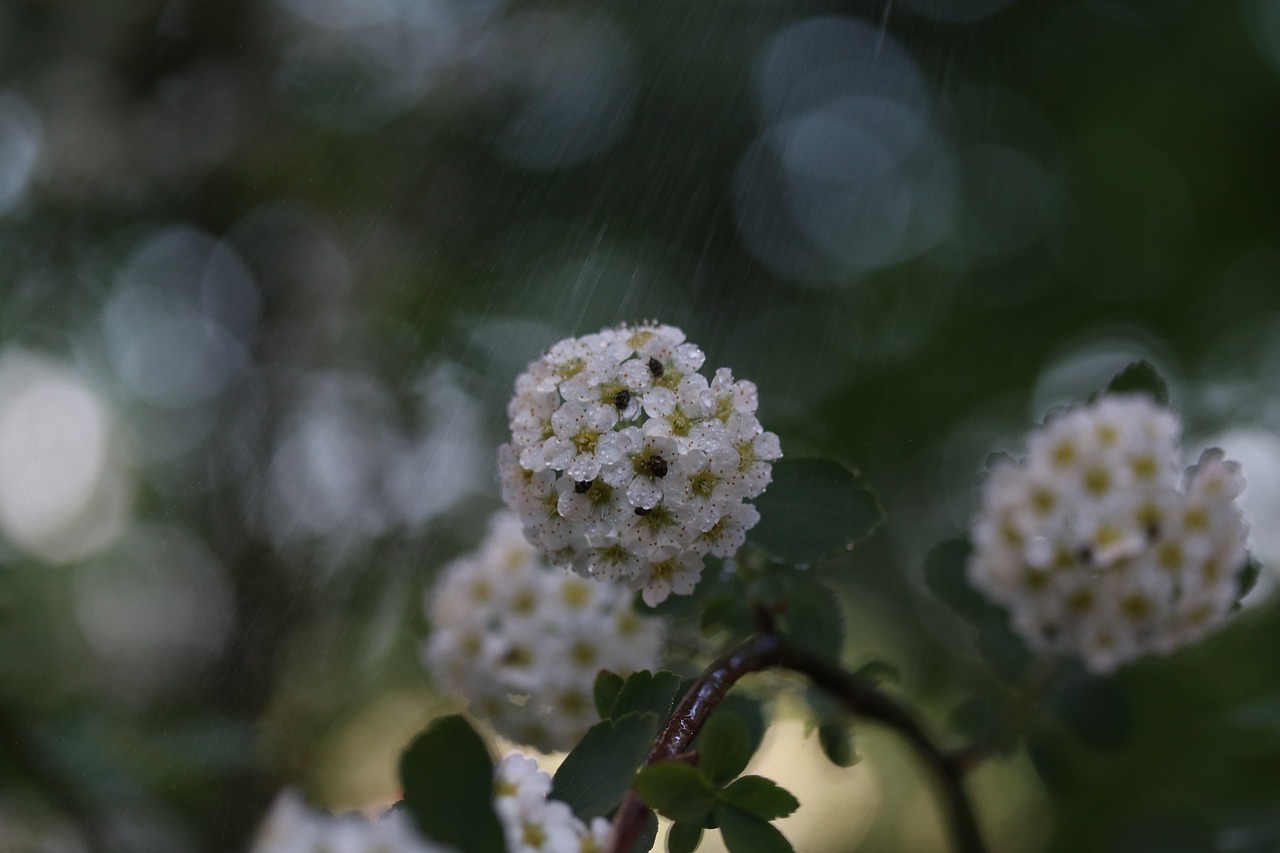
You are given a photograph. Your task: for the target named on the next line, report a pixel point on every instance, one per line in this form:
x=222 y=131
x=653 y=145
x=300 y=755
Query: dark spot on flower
x=1085 y=555
x=655 y=367
x=640 y=510
x=622 y=399
x=581 y=488
x=1153 y=530
x=657 y=466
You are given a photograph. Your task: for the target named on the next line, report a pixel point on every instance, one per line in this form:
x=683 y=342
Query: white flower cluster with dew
x=535 y=824
x=523 y=641
x=1098 y=547
x=627 y=464
x=292 y=827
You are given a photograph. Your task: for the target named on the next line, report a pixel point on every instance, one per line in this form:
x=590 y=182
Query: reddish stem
x=858 y=696
x=687 y=720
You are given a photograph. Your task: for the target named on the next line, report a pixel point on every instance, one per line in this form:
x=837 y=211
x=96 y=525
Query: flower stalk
x=858 y=696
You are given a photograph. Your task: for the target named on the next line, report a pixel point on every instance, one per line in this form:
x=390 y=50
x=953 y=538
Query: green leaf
x=1093 y=708
x=983 y=718
x=652 y=692
x=946 y=577
x=599 y=770
x=1248 y=577
x=835 y=736
x=746 y=709
x=743 y=832
x=1003 y=650
x=647 y=835
x=1053 y=759
x=447 y=776
x=605 y=692
x=762 y=797
x=830 y=720
x=879 y=672
x=1140 y=377
x=724 y=747
x=683 y=837
x=814 y=619
x=727 y=613
x=814 y=508
x=677 y=790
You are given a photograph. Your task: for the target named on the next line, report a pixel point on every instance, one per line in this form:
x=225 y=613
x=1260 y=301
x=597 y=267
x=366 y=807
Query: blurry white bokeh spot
x=154 y=608
x=65 y=485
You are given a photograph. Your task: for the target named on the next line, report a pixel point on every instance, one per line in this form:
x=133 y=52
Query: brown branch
x=858 y=696
x=863 y=699
x=687 y=720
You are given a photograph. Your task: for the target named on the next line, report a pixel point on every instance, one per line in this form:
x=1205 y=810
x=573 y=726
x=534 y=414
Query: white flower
x=596 y=839
x=607 y=557
x=550 y=828
x=686 y=414
x=523 y=642
x=530 y=416
x=708 y=486
x=730 y=397
x=533 y=823
x=620 y=448
x=642 y=470
x=756 y=450
x=576 y=446
x=671 y=570
x=1092 y=546
x=519 y=785
x=594 y=503
x=292 y=827
x=726 y=536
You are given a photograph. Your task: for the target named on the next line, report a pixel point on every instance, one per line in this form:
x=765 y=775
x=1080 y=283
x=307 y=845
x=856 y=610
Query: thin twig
x=864 y=699
x=858 y=696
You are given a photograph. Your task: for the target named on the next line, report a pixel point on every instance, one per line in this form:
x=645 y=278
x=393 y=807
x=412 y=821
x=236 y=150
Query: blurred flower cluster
x=292 y=827
x=1093 y=547
x=531 y=821
x=504 y=625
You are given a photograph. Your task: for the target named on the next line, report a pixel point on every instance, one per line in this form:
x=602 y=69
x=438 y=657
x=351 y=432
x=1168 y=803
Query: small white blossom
x=624 y=457
x=727 y=535
x=523 y=641
x=533 y=823
x=671 y=570
x=1093 y=547
x=518 y=786
x=596 y=505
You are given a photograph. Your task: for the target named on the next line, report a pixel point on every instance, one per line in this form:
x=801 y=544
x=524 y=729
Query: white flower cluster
x=292 y=827
x=627 y=464
x=1095 y=550
x=535 y=824
x=523 y=642
x=531 y=822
